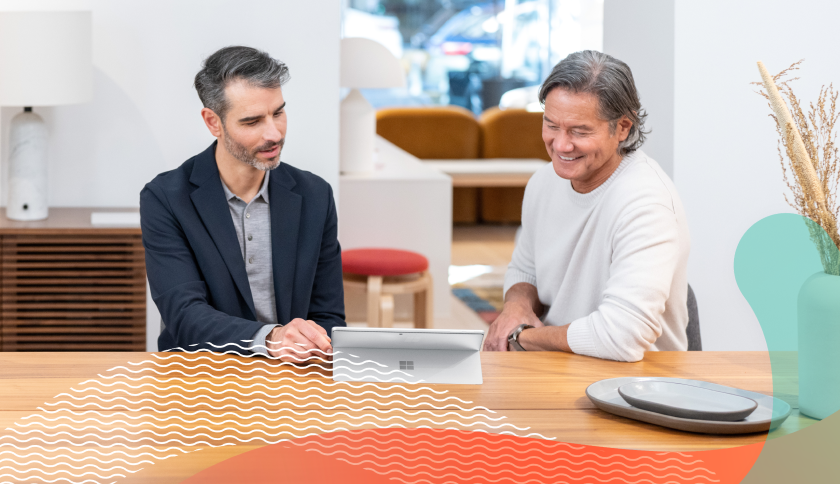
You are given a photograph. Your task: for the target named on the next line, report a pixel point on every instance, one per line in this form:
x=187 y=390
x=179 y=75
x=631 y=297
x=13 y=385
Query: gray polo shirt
x=252 y=222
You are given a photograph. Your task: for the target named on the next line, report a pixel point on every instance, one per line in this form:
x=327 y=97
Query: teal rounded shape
x=776 y=263
x=819 y=345
x=773 y=259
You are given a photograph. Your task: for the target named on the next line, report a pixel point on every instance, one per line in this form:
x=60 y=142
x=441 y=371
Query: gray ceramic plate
x=686 y=401
x=771 y=412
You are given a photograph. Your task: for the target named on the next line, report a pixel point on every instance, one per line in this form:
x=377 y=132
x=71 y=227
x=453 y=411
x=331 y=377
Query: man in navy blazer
x=241 y=250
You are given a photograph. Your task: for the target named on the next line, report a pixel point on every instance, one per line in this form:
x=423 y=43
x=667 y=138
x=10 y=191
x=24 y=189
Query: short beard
x=241 y=153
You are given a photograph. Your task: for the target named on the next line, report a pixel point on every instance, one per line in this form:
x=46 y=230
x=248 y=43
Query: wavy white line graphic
x=462 y=455
x=261 y=360
x=474 y=437
x=201 y=373
x=478 y=463
x=519 y=474
x=72 y=466
x=50 y=481
x=296 y=424
x=517 y=481
x=177 y=363
x=344 y=384
x=345 y=390
x=248 y=417
x=75 y=423
x=219 y=407
x=236 y=353
x=380 y=443
x=26 y=471
x=127 y=447
x=441 y=455
x=77 y=459
x=197 y=399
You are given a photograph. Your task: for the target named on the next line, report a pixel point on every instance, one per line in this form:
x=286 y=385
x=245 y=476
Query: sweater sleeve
x=645 y=254
x=522 y=267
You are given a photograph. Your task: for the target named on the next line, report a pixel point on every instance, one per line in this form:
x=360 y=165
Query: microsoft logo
x=406 y=365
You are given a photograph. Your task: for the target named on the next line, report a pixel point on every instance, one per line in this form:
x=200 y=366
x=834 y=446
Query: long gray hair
x=611 y=81
x=236 y=62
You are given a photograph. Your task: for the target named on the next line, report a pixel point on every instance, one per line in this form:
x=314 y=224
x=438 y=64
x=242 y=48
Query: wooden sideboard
x=67 y=285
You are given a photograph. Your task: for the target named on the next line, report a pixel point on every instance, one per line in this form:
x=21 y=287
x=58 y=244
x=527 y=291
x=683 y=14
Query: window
x=471 y=52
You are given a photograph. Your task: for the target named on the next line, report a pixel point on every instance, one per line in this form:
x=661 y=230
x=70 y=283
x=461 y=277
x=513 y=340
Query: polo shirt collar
x=229 y=195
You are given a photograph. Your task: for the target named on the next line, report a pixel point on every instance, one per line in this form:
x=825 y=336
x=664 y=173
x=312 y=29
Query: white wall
x=650 y=55
x=727 y=168
x=725 y=163
x=144 y=117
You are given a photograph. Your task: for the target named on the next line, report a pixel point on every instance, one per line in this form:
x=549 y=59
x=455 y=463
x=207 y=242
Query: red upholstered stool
x=385 y=272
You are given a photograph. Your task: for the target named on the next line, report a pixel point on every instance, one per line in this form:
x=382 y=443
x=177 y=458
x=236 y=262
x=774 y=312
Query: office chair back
x=693 y=329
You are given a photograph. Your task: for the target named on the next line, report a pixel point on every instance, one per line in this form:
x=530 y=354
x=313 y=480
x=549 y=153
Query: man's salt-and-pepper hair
x=233 y=63
x=611 y=81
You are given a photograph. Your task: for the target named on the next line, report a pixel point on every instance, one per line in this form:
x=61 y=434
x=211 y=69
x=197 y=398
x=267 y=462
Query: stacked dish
x=689 y=405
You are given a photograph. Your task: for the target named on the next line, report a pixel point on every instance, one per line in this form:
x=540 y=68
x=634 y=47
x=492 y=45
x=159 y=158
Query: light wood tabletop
x=158 y=409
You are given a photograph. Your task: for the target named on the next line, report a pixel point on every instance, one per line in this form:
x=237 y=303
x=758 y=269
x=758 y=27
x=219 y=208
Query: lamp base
x=358 y=129
x=27 y=167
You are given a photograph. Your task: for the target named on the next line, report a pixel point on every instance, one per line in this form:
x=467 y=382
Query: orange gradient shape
x=441 y=456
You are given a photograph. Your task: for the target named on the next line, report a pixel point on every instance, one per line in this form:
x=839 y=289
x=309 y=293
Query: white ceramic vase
x=27 y=168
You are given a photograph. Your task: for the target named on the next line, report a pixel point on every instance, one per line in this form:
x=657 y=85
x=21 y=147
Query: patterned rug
x=480 y=288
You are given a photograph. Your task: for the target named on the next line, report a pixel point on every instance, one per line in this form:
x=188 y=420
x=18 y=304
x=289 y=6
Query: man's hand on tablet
x=309 y=341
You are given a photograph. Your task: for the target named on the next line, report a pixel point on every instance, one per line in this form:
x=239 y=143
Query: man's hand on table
x=513 y=314
x=304 y=336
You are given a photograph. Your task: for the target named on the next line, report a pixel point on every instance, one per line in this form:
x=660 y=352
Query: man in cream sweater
x=599 y=267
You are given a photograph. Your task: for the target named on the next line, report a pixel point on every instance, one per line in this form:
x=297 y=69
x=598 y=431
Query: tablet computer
x=407 y=355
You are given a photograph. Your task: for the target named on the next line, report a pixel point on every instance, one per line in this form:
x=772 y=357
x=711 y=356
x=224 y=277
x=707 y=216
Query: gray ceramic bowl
x=687 y=401
x=770 y=414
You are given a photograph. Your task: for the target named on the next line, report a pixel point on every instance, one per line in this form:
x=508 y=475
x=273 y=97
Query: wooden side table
x=500 y=181
x=489 y=172
x=66 y=284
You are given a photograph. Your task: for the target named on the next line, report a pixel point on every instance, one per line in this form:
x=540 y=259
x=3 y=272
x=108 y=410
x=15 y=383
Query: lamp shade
x=367 y=64
x=45 y=58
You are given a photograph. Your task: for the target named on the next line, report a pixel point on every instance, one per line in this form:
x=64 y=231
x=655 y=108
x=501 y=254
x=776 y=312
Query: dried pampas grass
x=811 y=154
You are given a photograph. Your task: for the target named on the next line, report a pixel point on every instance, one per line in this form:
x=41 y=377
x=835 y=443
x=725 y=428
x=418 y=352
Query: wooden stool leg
x=374 y=292
x=430 y=299
x=420 y=309
x=423 y=307
x=386 y=311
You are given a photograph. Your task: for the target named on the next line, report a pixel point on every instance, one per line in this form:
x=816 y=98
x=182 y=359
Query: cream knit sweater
x=612 y=262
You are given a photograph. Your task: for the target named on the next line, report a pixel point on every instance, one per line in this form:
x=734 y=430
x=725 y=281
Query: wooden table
x=95 y=399
x=488 y=172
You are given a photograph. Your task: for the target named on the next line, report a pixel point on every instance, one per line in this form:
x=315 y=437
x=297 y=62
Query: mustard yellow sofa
x=451 y=132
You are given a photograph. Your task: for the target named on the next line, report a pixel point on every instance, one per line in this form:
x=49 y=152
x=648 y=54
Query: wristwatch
x=513 y=338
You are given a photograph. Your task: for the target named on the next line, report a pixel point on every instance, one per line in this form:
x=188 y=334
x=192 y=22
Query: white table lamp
x=365 y=64
x=45 y=60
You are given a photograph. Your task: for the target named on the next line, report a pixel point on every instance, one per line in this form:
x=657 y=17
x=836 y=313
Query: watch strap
x=513 y=338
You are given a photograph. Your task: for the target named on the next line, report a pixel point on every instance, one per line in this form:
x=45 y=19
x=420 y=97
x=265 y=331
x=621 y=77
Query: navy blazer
x=194 y=261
